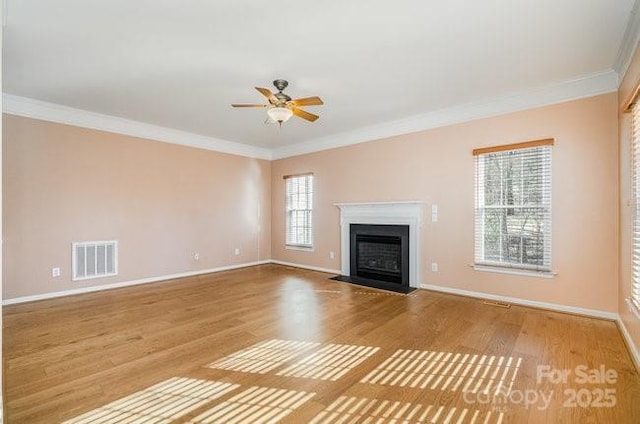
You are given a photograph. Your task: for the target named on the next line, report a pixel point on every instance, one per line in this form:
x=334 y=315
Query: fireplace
x=388 y=230
x=380 y=255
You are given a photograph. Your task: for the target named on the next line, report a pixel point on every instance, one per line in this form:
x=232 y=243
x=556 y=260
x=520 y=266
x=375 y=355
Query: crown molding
x=37 y=109
x=574 y=89
x=629 y=41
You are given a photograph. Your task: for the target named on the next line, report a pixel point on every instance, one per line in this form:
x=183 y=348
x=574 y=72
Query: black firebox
x=380 y=256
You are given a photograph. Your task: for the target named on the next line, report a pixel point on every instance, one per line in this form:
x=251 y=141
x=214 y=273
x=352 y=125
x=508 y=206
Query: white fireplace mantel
x=383 y=213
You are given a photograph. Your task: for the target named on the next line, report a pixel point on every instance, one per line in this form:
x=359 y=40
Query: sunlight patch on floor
x=446 y=371
x=329 y=363
x=255 y=405
x=263 y=357
x=161 y=403
x=349 y=409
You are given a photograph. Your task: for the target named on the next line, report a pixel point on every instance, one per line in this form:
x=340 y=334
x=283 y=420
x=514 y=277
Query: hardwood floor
x=277 y=344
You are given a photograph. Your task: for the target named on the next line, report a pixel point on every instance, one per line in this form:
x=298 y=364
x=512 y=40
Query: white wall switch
x=55 y=272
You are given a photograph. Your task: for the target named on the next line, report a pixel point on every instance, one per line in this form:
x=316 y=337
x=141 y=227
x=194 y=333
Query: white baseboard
x=82 y=290
x=309 y=267
x=633 y=350
x=516 y=301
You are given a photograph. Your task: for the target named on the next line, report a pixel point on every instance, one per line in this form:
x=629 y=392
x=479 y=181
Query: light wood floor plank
x=364 y=356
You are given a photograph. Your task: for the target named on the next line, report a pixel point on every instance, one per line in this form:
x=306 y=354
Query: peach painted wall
x=162 y=202
x=437 y=167
x=629 y=82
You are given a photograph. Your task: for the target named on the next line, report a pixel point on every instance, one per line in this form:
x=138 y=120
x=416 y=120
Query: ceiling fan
x=281 y=107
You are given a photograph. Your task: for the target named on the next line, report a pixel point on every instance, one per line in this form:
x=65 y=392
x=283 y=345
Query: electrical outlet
x=434 y=266
x=196 y=256
x=434 y=213
x=237 y=251
x=55 y=272
x=332 y=255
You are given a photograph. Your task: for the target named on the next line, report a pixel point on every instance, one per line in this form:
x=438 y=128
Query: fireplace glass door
x=379 y=257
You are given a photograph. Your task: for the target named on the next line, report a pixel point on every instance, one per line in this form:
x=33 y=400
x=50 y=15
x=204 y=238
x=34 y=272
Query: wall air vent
x=94 y=259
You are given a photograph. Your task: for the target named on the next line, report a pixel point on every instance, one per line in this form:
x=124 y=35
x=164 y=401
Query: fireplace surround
x=381 y=216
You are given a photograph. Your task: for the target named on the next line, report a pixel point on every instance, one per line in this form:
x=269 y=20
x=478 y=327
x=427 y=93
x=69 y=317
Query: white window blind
x=635 y=146
x=513 y=206
x=299 y=205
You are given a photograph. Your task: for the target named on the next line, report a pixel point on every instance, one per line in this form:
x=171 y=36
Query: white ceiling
x=179 y=65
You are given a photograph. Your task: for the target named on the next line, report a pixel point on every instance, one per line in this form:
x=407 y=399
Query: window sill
x=633 y=308
x=301 y=248
x=514 y=271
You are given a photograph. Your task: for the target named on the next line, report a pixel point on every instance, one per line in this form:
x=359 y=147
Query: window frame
x=481 y=263
x=294 y=244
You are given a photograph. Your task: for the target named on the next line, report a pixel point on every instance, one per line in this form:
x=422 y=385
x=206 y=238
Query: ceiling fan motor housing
x=281 y=84
x=283 y=98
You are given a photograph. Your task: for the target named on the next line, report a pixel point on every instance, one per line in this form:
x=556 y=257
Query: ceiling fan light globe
x=279 y=114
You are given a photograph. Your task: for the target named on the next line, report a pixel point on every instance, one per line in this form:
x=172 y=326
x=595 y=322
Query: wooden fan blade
x=268 y=94
x=304 y=115
x=308 y=101
x=252 y=105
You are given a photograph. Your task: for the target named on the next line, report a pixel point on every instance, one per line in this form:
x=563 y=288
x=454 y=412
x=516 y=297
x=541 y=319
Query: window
x=635 y=153
x=299 y=203
x=513 y=206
